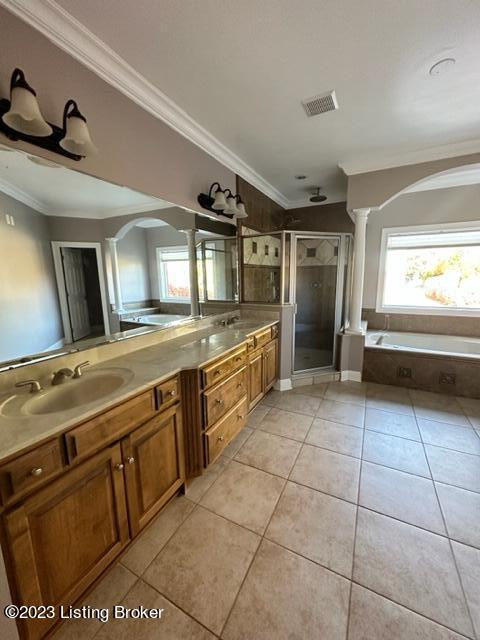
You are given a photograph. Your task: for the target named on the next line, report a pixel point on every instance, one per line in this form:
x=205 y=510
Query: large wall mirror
x=84 y=262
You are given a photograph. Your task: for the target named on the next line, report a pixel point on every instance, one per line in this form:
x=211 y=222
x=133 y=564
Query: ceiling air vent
x=320 y=104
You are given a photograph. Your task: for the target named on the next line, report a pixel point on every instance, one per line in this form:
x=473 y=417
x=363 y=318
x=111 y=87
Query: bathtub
x=427 y=343
x=157 y=319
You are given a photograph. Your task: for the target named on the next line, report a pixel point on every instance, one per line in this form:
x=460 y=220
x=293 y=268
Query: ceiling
x=56 y=190
x=241 y=69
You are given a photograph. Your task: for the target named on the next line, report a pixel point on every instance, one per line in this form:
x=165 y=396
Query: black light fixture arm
x=206 y=200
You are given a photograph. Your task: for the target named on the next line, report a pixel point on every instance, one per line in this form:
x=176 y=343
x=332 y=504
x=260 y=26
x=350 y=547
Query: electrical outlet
x=447 y=378
x=404 y=372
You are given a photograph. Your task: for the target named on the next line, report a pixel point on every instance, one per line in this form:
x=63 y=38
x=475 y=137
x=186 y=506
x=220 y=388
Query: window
x=173 y=274
x=430 y=270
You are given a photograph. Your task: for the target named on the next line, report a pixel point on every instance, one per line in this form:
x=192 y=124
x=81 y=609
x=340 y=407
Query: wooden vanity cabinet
x=262 y=366
x=154 y=466
x=256 y=385
x=271 y=364
x=61 y=538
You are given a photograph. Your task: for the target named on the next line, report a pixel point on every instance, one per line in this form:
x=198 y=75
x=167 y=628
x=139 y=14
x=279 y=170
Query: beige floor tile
x=286 y=597
x=293 y=401
x=434 y=406
x=197 y=487
x=257 y=415
x=452 y=467
x=237 y=443
x=393 y=406
x=148 y=544
x=468 y=562
x=449 y=436
x=336 y=437
x=398 y=453
x=109 y=591
x=393 y=424
x=471 y=408
x=270 y=453
x=315 y=390
x=351 y=392
x=401 y=495
x=315 y=525
x=285 y=423
x=342 y=412
x=442 y=416
x=375 y=618
x=462 y=513
x=203 y=565
x=327 y=471
x=387 y=392
x=245 y=495
x=173 y=624
x=411 y=566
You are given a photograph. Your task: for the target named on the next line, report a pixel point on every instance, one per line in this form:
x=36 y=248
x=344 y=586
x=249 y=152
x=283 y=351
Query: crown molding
x=18 y=194
x=66 y=32
x=431 y=154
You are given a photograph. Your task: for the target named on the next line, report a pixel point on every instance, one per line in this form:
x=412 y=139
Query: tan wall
x=135 y=148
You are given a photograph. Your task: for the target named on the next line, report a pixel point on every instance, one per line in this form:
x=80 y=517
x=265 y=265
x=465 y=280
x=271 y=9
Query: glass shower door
x=316 y=317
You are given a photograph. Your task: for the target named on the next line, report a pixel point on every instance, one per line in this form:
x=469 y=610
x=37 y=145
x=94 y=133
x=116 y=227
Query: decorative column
x=192 y=262
x=117 y=290
x=360 y=218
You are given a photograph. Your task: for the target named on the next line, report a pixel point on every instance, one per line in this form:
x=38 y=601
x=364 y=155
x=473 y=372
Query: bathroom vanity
x=72 y=500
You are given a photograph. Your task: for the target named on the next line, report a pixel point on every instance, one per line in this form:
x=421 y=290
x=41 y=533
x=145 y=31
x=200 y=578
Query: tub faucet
x=60 y=376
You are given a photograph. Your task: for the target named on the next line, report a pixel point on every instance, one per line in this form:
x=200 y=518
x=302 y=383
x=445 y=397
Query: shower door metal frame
x=341 y=281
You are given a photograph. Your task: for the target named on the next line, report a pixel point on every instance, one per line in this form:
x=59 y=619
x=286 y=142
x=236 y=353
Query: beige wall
x=135 y=148
x=457 y=204
x=332 y=218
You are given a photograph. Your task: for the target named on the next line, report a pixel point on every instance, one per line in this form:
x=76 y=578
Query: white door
x=76 y=292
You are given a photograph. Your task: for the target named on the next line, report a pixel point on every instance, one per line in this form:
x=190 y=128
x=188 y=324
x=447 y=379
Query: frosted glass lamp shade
x=220 y=202
x=24 y=114
x=241 y=212
x=231 y=208
x=77 y=137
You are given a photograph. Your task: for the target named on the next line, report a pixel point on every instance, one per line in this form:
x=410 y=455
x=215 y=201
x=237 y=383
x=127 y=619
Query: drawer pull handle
x=218 y=401
x=221 y=438
x=240 y=417
x=119 y=466
x=238 y=359
x=37 y=471
x=130 y=460
x=217 y=372
x=172 y=393
x=239 y=385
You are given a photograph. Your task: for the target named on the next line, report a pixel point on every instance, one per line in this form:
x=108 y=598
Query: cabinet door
x=61 y=539
x=154 y=466
x=255 y=379
x=270 y=351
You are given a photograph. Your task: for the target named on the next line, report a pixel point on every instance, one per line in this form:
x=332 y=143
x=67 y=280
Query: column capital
x=112 y=239
x=361 y=213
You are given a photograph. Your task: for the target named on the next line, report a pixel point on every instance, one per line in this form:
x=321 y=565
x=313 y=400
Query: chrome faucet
x=34 y=385
x=222 y=323
x=78 y=370
x=60 y=376
x=233 y=319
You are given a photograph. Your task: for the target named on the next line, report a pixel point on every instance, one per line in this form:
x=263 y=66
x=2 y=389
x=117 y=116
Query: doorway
x=79 y=272
x=319 y=269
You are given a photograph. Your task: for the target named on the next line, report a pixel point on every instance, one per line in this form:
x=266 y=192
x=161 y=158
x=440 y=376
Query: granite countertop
x=147 y=367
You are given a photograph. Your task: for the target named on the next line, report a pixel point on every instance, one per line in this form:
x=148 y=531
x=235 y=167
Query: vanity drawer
x=215 y=372
x=221 y=398
x=109 y=426
x=167 y=393
x=222 y=433
x=30 y=470
x=263 y=337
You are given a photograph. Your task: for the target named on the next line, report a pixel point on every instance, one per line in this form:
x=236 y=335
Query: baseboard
x=283 y=385
x=355 y=376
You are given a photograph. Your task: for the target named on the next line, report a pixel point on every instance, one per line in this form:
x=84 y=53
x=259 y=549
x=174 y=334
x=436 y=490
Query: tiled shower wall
x=446 y=325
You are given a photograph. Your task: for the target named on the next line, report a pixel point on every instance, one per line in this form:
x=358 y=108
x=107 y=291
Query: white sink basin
x=92 y=386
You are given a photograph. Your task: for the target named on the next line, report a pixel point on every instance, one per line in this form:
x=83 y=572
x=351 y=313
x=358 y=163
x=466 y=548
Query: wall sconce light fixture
x=21 y=119
x=222 y=202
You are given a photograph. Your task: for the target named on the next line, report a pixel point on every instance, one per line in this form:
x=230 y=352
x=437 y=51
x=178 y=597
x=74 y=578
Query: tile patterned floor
x=344 y=511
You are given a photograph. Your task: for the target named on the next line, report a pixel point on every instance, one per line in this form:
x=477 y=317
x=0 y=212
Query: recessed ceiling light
x=300 y=177
x=442 y=66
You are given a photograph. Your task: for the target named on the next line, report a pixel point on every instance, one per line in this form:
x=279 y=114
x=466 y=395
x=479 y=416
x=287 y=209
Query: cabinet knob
x=221 y=438
x=218 y=401
x=37 y=471
x=239 y=385
x=240 y=417
x=238 y=359
x=119 y=466
x=130 y=460
x=217 y=372
x=172 y=393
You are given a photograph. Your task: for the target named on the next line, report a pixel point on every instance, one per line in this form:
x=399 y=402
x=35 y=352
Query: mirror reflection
x=86 y=262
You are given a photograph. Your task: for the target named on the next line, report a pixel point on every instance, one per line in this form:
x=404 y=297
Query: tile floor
x=343 y=511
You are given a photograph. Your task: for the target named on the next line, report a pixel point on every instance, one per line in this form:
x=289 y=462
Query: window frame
x=163 y=297
x=414 y=310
